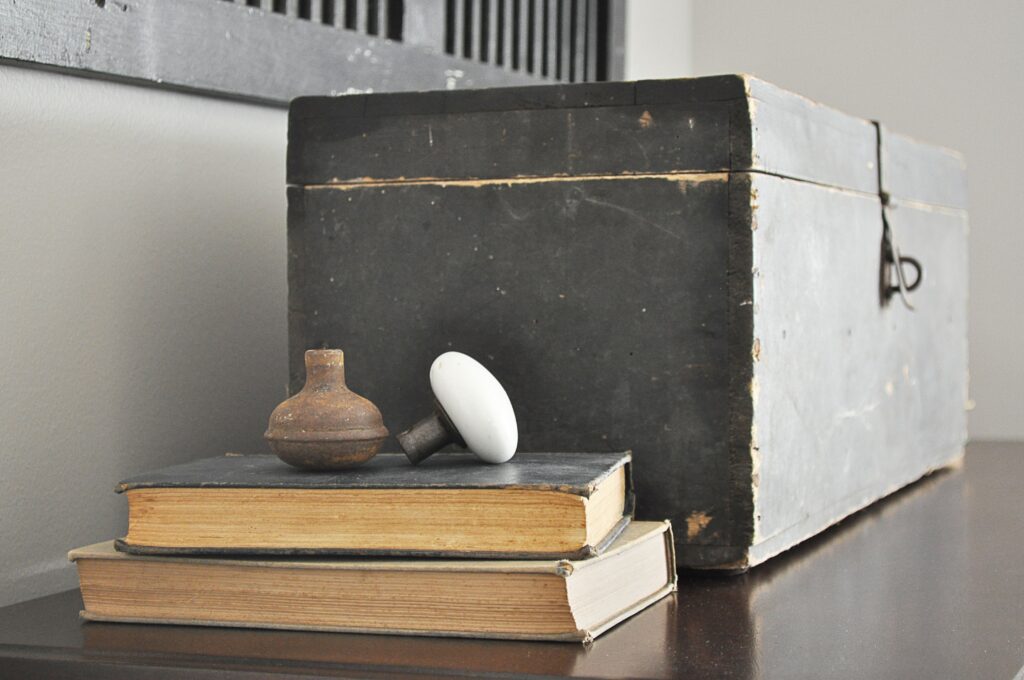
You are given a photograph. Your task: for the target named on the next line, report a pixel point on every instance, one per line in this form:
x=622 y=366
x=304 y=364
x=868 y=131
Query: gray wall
x=946 y=71
x=143 y=299
x=658 y=42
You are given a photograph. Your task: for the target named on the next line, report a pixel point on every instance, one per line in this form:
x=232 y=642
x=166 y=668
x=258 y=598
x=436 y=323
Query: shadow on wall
x=142 y=266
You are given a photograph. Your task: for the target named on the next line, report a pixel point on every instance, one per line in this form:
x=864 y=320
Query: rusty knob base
x=326 y=426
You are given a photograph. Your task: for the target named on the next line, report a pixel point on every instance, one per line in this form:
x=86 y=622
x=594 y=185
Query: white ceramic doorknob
x=472 y=410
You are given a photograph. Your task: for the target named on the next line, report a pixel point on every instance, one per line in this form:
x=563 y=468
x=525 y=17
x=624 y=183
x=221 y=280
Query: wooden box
x=696 y=270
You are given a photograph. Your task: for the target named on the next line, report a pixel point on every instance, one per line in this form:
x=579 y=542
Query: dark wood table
x=926 y=584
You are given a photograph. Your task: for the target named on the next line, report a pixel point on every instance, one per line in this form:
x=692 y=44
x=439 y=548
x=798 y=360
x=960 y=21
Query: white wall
x=659 y=42
x=143 y=300
x=945 y=71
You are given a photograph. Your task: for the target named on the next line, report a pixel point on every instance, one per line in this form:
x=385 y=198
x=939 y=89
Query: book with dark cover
x=538 y=505
x=519 y=599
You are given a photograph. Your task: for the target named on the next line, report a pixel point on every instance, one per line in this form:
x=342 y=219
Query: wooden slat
x=579 y=41
x=477 y=28
x=616 y=40
x=492 y=31
x=565 y=42
x=457 y=22
x=592 y=38
x=382 y=18
x=551 y=45
x=508 y=31
x=315 y=13
x=522 y=48
x=359 y=20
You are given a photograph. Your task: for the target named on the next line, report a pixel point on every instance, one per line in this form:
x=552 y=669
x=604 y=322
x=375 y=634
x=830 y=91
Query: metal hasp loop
x=893 y=262
x=891 y=267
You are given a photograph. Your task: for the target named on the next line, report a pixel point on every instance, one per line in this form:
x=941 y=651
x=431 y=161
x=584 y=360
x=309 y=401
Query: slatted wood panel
x=565 y=40
x=371 y=17
x=271 y=51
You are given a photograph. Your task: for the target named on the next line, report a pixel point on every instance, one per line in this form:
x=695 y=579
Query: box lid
x=733 y=123
x=730 y=123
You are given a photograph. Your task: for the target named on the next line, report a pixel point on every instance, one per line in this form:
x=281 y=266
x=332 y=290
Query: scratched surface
x=851 y=400
x=497 y=144
x=600 y=304
x=607 y=247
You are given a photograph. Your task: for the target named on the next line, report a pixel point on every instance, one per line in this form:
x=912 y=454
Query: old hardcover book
x=568 y=505
x=551 y=599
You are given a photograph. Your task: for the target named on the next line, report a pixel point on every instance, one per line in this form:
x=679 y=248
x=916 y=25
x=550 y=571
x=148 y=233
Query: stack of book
x=543 y=547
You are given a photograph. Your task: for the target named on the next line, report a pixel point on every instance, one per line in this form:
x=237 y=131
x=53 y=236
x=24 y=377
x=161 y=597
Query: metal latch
x=892 y=277
x=893 y=263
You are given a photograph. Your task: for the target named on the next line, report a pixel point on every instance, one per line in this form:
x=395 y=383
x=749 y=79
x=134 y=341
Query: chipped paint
x=753 y=208
x=452 y=77
x=755 y=350
x=646 y=120
x=746 y=78
x=755 y=158
x=365 y=182
x=755 y=480
x=696 y=523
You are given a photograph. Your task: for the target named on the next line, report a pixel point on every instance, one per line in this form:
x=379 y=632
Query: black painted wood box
x=699 y=270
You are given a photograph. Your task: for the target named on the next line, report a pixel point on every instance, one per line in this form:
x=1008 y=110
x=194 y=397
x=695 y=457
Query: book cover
x=518 y=599
x=567 y=505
